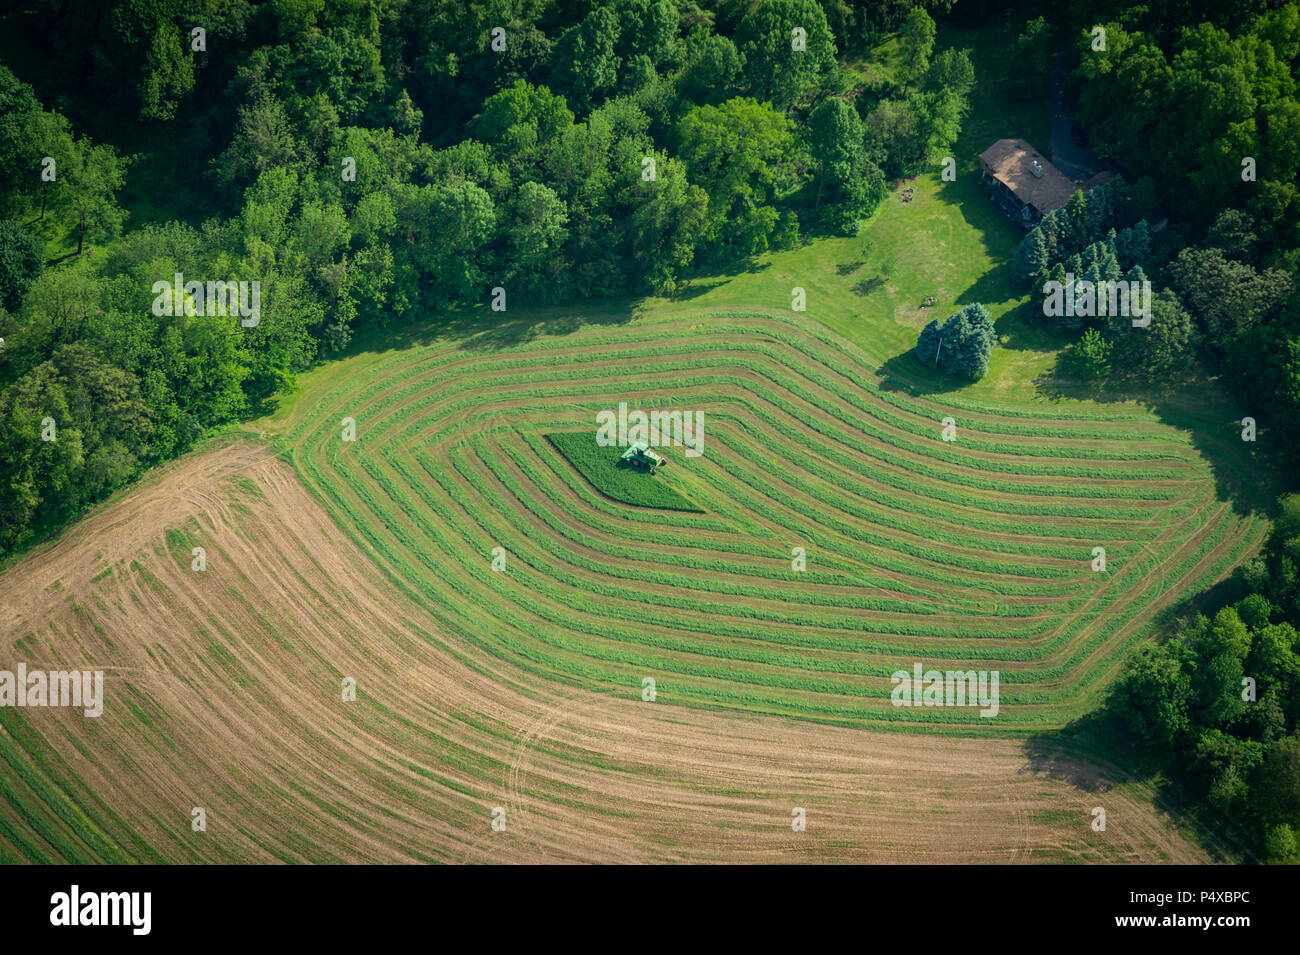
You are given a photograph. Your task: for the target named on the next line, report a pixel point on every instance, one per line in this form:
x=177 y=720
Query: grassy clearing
x=617 y=479
x=973 y=554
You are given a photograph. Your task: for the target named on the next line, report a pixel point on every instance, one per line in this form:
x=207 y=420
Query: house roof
x=1009 y=162
x=1105 y=176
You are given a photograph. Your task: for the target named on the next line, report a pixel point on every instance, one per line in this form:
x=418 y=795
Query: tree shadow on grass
x=719 y=273
x=697 y=288
x=478 y=327
x=869 y=286
x=993 y=286
x=1244 y=474
x=1096 y=754
x=1018 y=331
x=479 y=331
x=706 y=280
x=904 y=373
x=999 y=234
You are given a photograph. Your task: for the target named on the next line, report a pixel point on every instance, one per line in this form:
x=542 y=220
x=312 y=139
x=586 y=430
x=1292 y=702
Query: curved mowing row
x=974 y=554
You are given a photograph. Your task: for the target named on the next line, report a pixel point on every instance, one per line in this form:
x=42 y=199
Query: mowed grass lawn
x=974 y=554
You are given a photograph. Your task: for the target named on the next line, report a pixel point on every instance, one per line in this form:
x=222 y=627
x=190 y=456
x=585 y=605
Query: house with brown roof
x=1024 y=183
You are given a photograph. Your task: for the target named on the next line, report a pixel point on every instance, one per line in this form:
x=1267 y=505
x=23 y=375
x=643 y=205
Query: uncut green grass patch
x=617 y=479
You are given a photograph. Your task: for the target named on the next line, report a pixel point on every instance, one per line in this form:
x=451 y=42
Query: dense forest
x=371 y=164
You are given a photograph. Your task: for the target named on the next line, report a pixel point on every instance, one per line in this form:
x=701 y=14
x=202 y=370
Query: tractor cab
x=640 y=455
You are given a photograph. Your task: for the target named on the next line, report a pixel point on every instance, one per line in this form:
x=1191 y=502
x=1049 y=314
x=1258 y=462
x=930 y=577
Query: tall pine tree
x=962 y=345
x=928 y=344
x=1031 y=259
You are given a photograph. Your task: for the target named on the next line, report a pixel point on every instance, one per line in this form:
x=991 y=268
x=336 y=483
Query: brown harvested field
x=223 y=692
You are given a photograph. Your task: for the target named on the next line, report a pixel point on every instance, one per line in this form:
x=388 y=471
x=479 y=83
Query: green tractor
x=640 y=455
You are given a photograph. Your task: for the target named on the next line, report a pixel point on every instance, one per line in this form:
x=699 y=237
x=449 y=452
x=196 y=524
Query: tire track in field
x=289 y=774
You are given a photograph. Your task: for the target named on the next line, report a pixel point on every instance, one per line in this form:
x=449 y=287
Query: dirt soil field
x=223 y=692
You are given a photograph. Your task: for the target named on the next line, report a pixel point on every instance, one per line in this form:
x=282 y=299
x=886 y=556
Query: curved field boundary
x=970 y=554
x=222 y=691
